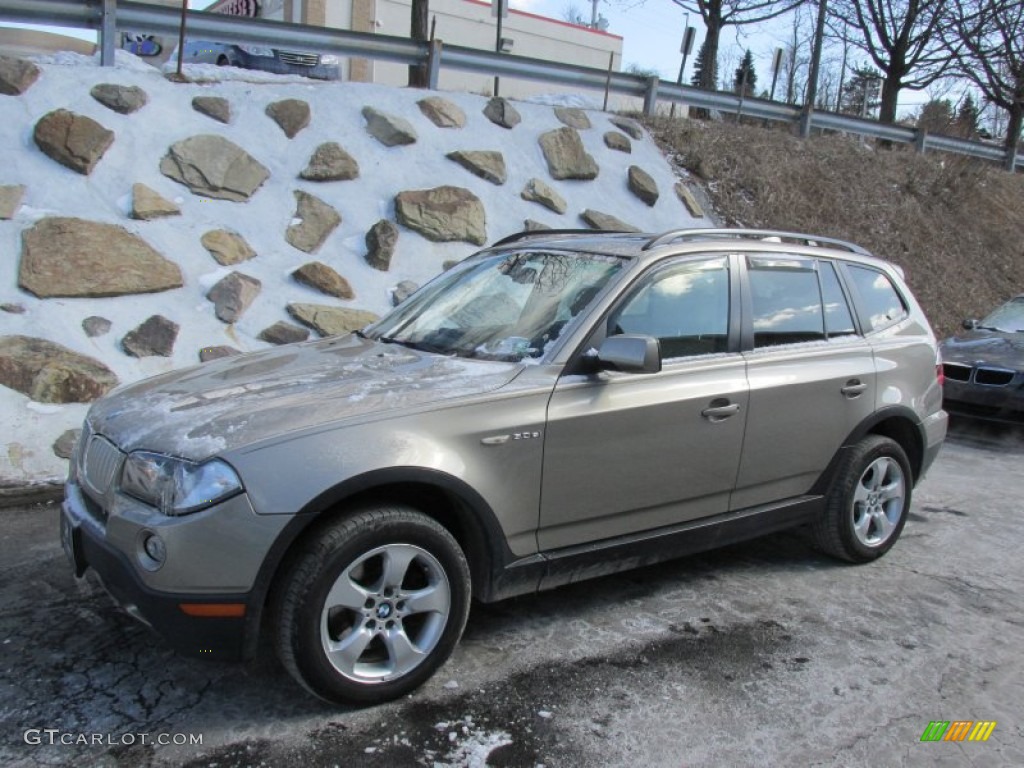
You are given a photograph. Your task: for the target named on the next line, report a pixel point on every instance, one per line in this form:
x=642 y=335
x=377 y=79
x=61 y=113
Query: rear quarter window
x=880 y=303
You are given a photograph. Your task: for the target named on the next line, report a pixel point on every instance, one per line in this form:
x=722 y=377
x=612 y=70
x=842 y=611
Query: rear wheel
x=372 y=606
x=868 y=502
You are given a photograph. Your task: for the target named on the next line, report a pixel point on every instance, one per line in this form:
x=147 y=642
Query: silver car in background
x=263 y=58
x=559 y=406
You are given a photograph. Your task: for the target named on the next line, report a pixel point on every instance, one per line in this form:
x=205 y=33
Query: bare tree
x=718 y=14
x=991 y=55
x=902 y=38
x=794 y=56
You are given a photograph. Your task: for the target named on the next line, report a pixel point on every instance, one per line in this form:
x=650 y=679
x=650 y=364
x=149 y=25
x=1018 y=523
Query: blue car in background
x=263 y=58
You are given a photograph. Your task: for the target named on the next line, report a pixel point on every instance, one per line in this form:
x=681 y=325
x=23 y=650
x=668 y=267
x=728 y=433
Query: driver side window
x=685 y=307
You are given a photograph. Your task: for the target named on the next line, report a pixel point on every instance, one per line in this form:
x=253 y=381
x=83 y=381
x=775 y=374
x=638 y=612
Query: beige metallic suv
x=559 y=406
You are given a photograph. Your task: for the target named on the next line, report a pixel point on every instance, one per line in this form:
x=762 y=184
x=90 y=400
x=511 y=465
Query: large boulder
x=75 y=141
x=215 y=107
x=573 y=117
x=606 y=222
x=316 y=221
x=94 y=325
x=283 y=333
x=212 y=166
x=380 y=244
x=291 y=115
x=500 y=112
x=537 y=191
x=686 y=196
x=488 y=165
x=389 y=130
x=443 y=214
x=10 y=199
x=565 y=155
x=642 y=184
x=325 y=279
x=123 y=99
x=330 y=163
x=16 y=75
x=49 y=373
x=632 y=127
x=153 y=338
x=227 y=247
x=148 y=204
x=331 y=321
x=73 y=257
x=618 y=141
x=232 y=295
x=442 y=112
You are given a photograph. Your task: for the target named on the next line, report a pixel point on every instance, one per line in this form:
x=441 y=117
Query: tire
x=222 y=61
x=867 y=505
x=371 y=606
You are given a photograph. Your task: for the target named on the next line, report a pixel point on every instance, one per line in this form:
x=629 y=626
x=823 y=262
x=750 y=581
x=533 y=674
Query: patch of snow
x=47 y=408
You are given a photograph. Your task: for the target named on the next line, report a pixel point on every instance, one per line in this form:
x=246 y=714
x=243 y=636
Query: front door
x=630 y=452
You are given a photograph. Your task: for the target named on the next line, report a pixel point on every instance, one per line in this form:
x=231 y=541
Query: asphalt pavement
x=765 y=653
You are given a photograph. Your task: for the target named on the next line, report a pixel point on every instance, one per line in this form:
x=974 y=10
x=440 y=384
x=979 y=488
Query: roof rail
x=753 y=234
x=547 y=232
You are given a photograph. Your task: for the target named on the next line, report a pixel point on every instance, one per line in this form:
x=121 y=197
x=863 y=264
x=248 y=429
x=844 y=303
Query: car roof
x=636 y=244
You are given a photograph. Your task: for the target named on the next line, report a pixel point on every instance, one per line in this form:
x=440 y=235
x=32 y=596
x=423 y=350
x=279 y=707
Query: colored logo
x=958 y=730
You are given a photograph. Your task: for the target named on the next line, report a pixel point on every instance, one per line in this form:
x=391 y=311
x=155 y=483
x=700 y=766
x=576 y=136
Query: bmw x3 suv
x=559 y=406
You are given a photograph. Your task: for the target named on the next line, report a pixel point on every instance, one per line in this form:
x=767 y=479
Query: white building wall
x=469 y=24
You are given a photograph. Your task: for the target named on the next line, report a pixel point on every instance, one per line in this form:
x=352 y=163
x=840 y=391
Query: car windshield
x=1009 y=318
x=507 y=306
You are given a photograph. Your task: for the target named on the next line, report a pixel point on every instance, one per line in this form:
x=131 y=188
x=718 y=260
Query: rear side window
x=838 y=319
x=786 y=300
x=882 y=305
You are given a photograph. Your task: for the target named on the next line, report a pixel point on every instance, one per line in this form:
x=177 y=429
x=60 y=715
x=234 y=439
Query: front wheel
x=372 y=606
x=867 y=505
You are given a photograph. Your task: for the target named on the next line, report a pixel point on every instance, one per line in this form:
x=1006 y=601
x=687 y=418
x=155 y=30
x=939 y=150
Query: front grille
x=101 y=464
x=956 y=372
x=993 y=377
x=299 y=59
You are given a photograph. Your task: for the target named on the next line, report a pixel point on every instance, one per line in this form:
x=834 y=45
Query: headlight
x=258 y=50
x=329 y=59
x=176 y=486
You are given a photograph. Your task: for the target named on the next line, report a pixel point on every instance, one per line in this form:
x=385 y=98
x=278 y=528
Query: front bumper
x=1004 y=404
x=175 y=614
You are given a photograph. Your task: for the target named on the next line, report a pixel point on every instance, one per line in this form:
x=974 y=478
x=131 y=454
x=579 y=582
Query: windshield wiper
x=421 y=346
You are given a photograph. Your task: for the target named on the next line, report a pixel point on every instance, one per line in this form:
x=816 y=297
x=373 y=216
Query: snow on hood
x=197 y=412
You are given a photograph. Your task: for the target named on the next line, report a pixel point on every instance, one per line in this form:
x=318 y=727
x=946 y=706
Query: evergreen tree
x=700 y=65
x=861 y=91
x=745 y=69
x=936 y=116
x=966 y=122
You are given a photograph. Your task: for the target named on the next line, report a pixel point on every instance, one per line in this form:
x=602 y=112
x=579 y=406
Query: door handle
x=854 y=388
x=720 y=409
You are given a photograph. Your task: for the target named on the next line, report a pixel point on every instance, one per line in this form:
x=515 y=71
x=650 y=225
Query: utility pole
x=812 y=77
x=684 y=49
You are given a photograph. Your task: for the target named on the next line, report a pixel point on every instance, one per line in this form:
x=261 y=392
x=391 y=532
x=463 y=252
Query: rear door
x=627 y=452
x=811 y=374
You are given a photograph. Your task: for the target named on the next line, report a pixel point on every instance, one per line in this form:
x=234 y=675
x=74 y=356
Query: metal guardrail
x=109 y=17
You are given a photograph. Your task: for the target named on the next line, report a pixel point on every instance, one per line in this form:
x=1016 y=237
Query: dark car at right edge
x=984 y=366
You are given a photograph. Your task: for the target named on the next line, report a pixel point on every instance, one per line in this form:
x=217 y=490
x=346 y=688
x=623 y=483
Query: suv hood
x=988 y=347
x=197 y=412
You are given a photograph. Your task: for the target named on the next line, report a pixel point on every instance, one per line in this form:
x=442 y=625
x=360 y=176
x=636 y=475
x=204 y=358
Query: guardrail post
x=434 y=63
x=108 y=32
x=920 y=141
x=651 y=96
x=1011 y=159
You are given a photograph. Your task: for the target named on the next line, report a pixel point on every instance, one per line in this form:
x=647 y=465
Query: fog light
x=154 y=551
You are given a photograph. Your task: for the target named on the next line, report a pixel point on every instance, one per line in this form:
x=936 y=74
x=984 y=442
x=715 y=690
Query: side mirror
x=630 y=354
x=970 y=324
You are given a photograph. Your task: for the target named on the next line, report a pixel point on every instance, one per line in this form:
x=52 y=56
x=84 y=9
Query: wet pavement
x=766 y=653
